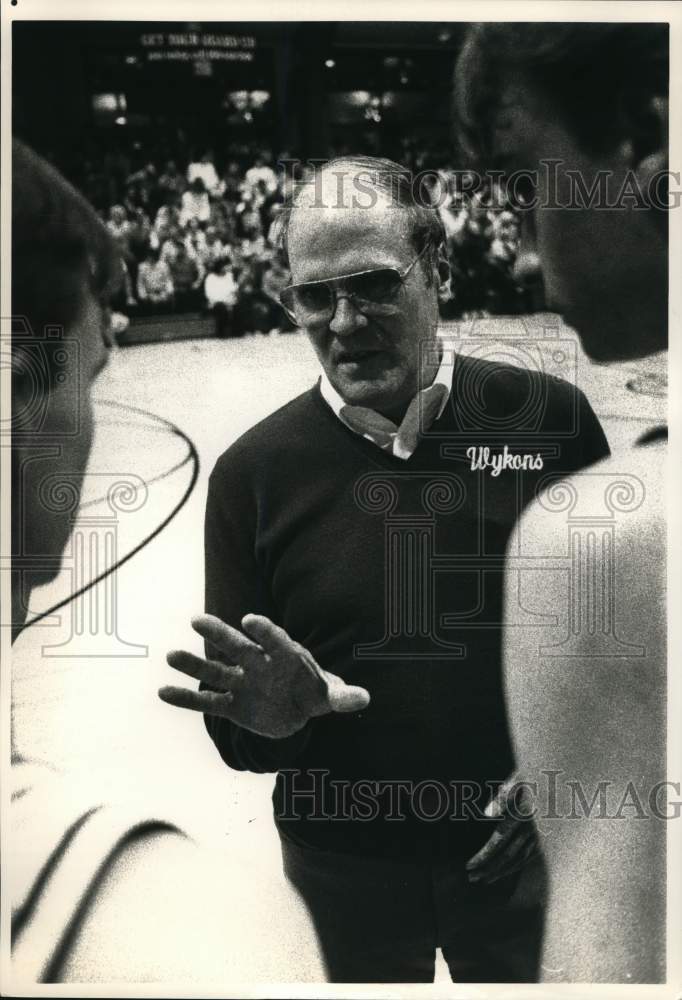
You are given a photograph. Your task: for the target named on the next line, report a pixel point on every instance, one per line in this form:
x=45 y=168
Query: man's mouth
x=357 y=356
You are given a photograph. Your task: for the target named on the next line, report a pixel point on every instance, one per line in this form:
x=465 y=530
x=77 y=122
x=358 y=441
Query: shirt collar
x=400 y=440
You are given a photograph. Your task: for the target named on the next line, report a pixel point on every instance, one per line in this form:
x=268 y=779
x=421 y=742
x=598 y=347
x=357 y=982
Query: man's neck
x=428 y=377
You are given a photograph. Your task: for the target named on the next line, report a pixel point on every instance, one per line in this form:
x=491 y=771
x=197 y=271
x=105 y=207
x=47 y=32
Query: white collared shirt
x=401 y=441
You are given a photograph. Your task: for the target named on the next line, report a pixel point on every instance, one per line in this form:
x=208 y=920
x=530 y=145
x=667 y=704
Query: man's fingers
x=514 y=858
x=481 y=858
x=495 y=807
x=209 y=702
x=226 y=640
x=503 y=798
x=503 y=834
x=345 y=697
x=502 y=855
x=216 y=675
x=272 y=638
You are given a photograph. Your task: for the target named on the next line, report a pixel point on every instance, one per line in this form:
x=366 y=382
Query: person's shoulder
x=625 y=489
x=585 y=588
x=287 y=426
x=137 y=925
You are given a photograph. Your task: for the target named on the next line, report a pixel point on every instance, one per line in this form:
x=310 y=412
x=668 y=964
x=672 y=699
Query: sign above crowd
x=190 y=46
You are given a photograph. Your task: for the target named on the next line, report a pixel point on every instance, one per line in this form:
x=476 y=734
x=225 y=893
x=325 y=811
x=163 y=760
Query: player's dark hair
x=598 y=77
x=60 y=247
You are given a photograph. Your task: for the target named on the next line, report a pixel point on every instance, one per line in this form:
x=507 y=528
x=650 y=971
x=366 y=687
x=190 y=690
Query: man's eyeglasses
x=373 y=293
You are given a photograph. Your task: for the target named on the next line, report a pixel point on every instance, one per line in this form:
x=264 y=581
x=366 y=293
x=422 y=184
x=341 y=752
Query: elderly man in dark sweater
x=354 y=561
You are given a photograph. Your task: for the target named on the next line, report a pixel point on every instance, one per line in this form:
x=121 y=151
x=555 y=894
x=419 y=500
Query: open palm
x=262 y=679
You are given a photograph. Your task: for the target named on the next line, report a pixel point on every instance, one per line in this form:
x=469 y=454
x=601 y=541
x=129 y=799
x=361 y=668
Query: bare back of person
x=586 y=688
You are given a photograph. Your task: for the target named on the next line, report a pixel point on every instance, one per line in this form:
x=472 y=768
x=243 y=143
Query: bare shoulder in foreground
x=161 y=909
x=241 y=931
x=585 y=673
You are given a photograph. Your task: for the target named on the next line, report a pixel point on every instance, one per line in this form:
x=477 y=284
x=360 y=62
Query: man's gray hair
x=387 y=178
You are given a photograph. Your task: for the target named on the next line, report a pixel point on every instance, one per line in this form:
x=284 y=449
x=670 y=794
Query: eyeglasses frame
x=331 y=282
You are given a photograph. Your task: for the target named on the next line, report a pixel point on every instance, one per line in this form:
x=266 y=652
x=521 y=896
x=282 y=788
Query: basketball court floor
x=85 y=678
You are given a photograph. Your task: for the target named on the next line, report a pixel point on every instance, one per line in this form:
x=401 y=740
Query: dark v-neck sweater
x=390 y=572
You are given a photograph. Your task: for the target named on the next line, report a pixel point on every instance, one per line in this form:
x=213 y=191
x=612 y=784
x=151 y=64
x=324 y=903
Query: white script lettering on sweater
x=482 y=459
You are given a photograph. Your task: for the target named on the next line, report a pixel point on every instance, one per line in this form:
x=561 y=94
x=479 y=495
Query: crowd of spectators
x=195 y=241
x=482 y=235
x=199 y=239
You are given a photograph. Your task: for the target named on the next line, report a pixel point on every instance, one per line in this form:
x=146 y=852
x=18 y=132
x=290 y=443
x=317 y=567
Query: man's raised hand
x=263 y=680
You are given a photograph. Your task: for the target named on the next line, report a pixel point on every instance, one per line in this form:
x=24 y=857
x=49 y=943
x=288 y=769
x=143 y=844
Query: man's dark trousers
x=381 y=920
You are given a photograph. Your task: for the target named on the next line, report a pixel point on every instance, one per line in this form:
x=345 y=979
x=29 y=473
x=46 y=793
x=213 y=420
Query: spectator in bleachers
x=204 y=169
x=261 y=171
x=252 y=246
x=167 y=217
x=171 y=181
x=252 y=314
x=212 y=250
x=119 y=227
x=195 y=203
x=154 y=284
x=186 y=277
x=144 y=178
x=275 y=278
x=173 y=241
x=195 y=239
x=230 y=182
x=224 y=220
x=505 y=235
x=139 y=234
x=142 y=188
x=247 y=214
x=221 y=292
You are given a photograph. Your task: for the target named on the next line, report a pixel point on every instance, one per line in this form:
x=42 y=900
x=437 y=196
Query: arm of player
x=263 y=680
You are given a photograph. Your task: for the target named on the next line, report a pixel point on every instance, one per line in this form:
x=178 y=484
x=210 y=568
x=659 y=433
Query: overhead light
x=121 y=120
x=330 y=63
x=359 y=97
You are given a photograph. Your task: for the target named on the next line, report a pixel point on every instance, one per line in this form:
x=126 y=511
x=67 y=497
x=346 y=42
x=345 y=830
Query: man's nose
x=347 y=317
